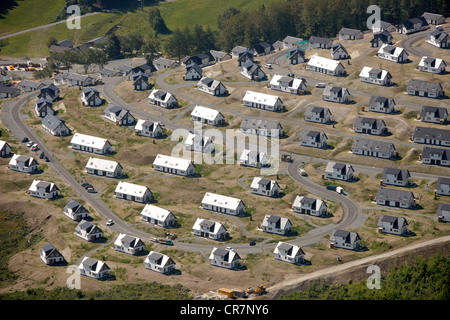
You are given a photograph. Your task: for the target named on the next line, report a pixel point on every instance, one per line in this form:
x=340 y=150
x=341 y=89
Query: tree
x=112 y=47
x=226 y=15
x=66 y=58
x=174 y=46
x=51 y=41
x=150 y=49
x=156 y=21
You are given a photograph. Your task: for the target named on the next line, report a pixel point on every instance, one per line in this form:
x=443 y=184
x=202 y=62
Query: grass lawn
x=30 y=14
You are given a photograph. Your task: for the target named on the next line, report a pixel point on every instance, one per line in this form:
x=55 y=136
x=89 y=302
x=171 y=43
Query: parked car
x=86 y=185
x=30 y=144
x=34 y=147
x=268 y=66
x=321 y=85
x=25 y=140
x=91 y=190
x=42 y=155
x=252 y=243
x=46 y=159
x=109 y=222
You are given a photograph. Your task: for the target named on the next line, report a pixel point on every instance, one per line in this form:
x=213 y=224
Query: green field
x=30 y=14
x=178 y=13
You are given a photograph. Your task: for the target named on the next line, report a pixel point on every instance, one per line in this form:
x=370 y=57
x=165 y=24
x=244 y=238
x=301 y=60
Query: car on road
x=252 y=243
x=42 y=155
x=321 y=85
x=91 y=190
x=34 y=147
x=25 y=139
x=110 y=222
x=302 y=172
x=30 y=144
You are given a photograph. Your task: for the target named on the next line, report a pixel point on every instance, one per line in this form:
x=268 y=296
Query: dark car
x=252 y=243
x=25 y=139
x=46 y=159
x=86 y=185
x=91 y=190
x=42 y=155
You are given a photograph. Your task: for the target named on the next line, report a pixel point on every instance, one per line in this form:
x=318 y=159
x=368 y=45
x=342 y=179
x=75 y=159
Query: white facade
x=102 y=167
x=91 y=97
x=393 y=225
x=432 y=65
x=88 y=231
x=265 y=187
x=162 y=99
x=339 y=171
x=84 y=142
x=168 y=164
x=289 y=253
x=159 y=262
x=211 y=86
x=336 y=94
x=311 y=206
x=262 y=101
x=443 y=186
x=375 y=76
x=158 y=216
x=277 y=225
x=326 y=66
x=23 y=164
x=225 y=258
x=43 y=189
x=133 y=192
x=5 y=149
x=252 y=158
x=345 y=239
x=391 y=53
x=94 y=268
x=223 y=204
x=128 y=244
x=287 y=84
x=209 y=229
x=147 y=128
x=75 y=211
x=313 y=139
x=195 y=142
x=207 y=116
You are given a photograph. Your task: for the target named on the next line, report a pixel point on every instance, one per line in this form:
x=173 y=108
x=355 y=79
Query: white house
x=118 y=115
x=261 y=127
x=147 y=128
x=225 y=258
x=55 y=125
x=412 y=25
x=436 y=156
x=443 y=186
x=434 y=136
x=23 y=164
x=433 y=18
x=317 y=114
x=396 y=177
x=94 y=268
x=339 y=171
x=128 y=244
x=296 y=55
x=91 y=97
x=43 y=107
x=438 y=38
x=375 y=76
x=193 y=72
x=350 y=34
x=207 y=116
x=162 y=99
x=287 y=84
x=49 y=93
x=50 y=255
x=381 y=104
x=73 y=79
x=133 y=192
x=159 y=262
x=392 y=225
x=252 y=71
x=75 y=211
x=5 y=149
x=336 y=94
x=28 y=86
x=211 y=86
x=367 y=125
x=345 y=239
x=380 y=38
x=209 y=229
x=315 y=139
x=262 y=101
x=43 y=189
x=339 y=52
x=265 y=187
x=423 y=88
x=88 y=231
x=276 y=225
x=289 y=253
x=252 y=158
x=434 y=115
x=140 y=81
x=392 y=53
x=320 y=43
x=326 y=66
x=311 y=206
x=373 y=148
x=179 y=166
x=223 y=204
x=395 y=198
x=432 y=65
x=443 y=212
x=87 y=143
x=102 y=167
x=158 y=216
x=199 y=143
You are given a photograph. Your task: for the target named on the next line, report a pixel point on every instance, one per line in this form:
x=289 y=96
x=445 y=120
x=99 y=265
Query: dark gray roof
x=321 y=40
x=394 y=195
x=444 y=153
x=308 y=201
x=207 y=223
x=285 y=246
x=52 y=122
x=90 y=262
x=348 y=31
x=195 y=67
x=397 y=222
x=221 y=252
x=118 y=111
x=373 y=122
x=427 y=86
x=251 y=123
x=432 y=133
x=443 y=207
x=401 y=174
x=72 y=204
x=372 y=145
x=440 y=113
x=443 y=181
x=350 y=237
x=336 y=46
x=377 y=99
x=274 y=219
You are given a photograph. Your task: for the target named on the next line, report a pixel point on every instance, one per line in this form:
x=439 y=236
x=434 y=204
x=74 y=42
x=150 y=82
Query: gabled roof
x=221 y=201
x=227 y=255
x=206 y=113
x=118 y=111
x=194 y=66
x=131 y=189
x=159 y=259
x=252 y=123
x=432 y=133
x=291 y=250
x=262 y=98
x=102 y=164
x=427 y=86
x=439 y=113
x=156 y=213
x=443 y=153
x=324 y=63
x=443 y=181
x=321 y=40
x=348 y=31
x=400 y=174
x=337 y=46
x=48 y=249
x=349 y=237
x=172 y=162
x=52 y=122
x=375 y=123
x=74 y=206
x=386 y=194
x=90 y=141
x=27 y=161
